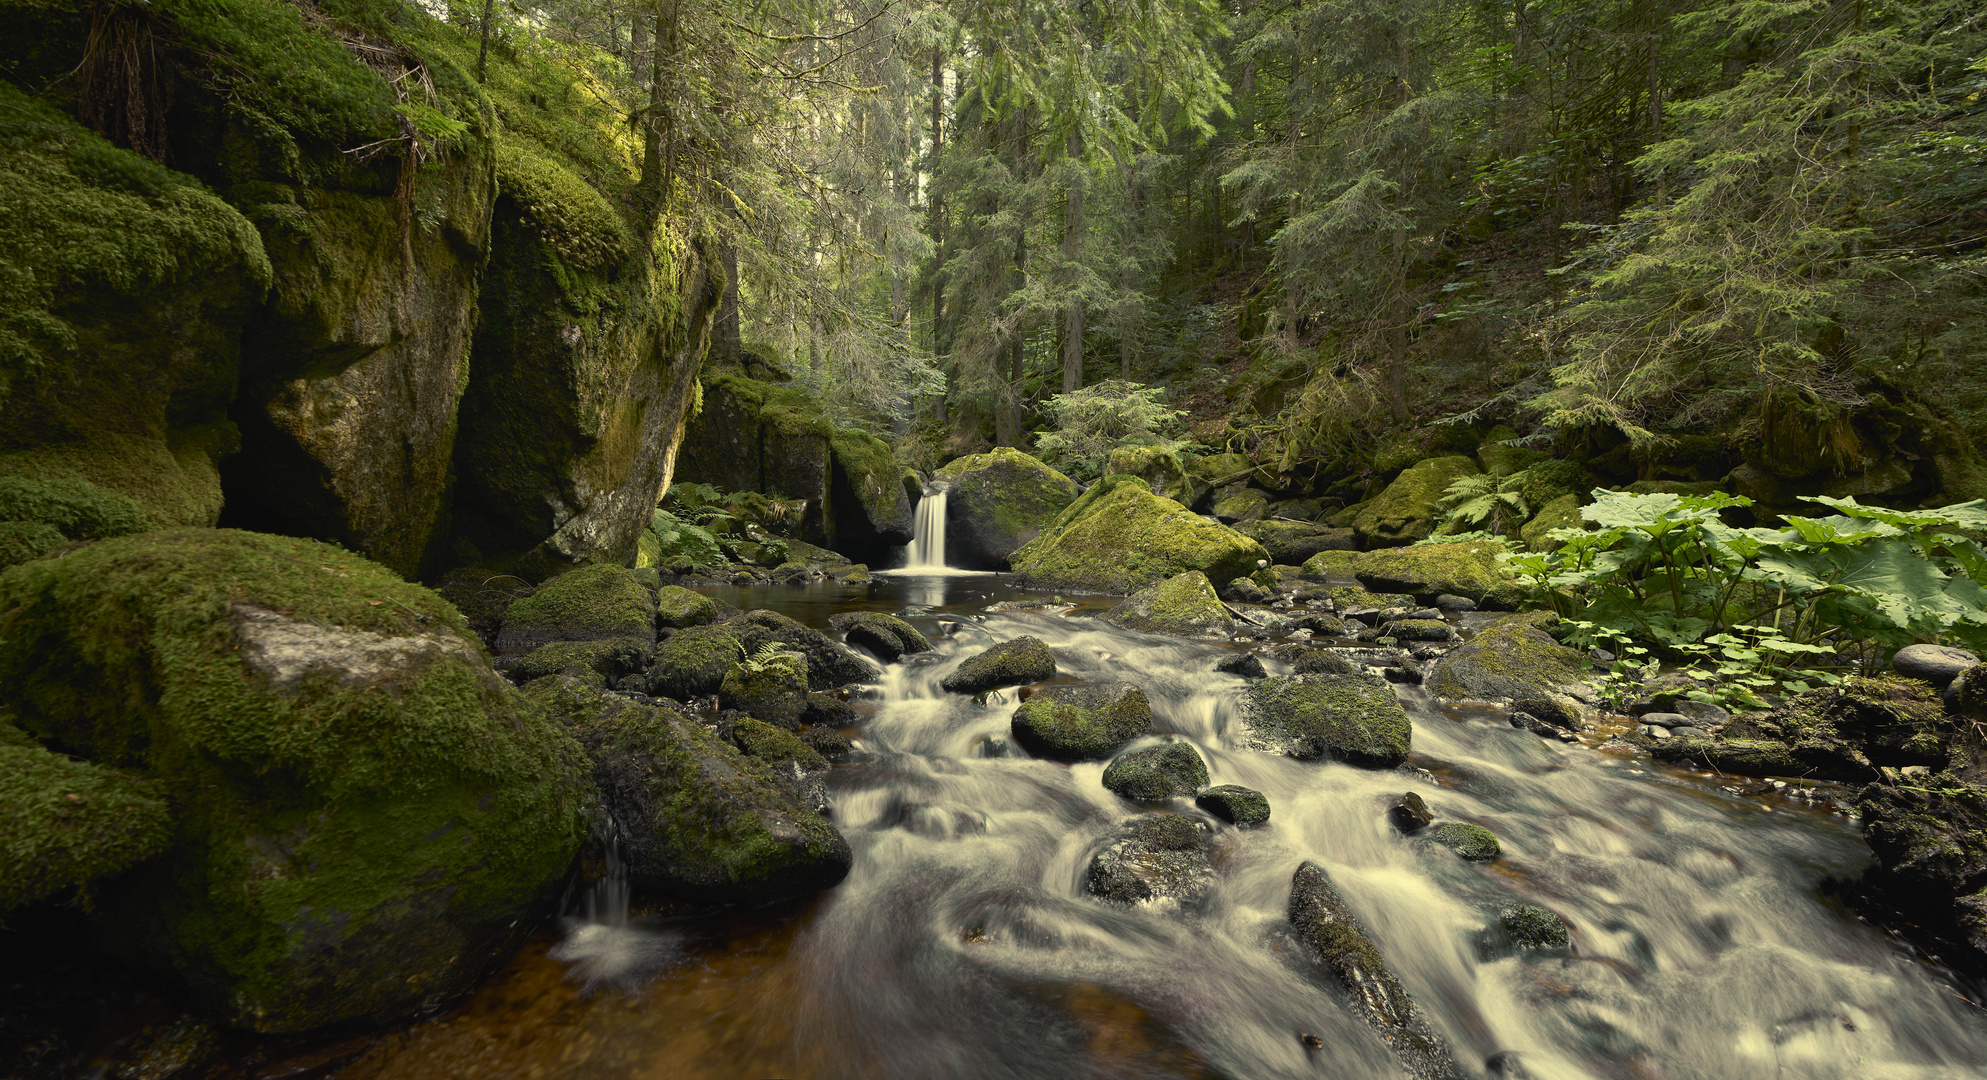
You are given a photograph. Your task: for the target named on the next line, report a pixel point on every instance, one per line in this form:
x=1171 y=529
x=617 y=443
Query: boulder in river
x=829 y=663
x=700 y=820
x=1472 y=842
x=998 y=502
x=1353 y=718
x=1074 y=723
x=1156 y=773
x=366 y=817
x=1243 y=807
x=1930 y=839
x=1510 y=658
x=1529 y=926
x=769 y=686
x=1322 y=919
x=593 y=603
x=676 y=606
x=1156 y=857
x=1410 y=814
x=1120 y=537
x=1239 y=504
x=1018 y=662
x=1938 y=665
x=1430 y=571
x=1184 y=604
x=1408 y=510
x=1248 y=665
x=885 y=635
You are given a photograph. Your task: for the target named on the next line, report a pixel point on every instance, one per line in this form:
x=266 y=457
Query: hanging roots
x=119 y=90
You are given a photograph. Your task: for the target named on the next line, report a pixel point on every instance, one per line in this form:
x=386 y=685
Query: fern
x=772 y=655
x=1491 y=503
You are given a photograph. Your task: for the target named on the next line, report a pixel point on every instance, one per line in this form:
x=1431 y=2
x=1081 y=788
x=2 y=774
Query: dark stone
x=1842 y=733
x=826 y=710
x=827 y=742
x=692 y=662
x=1523 y=719
x=1354 y=718
x=885 y=635
x=1410 y=814
x=1556 y=709
x=1237 y=805
x=1665 y=719
x=1153 y=858
x=1247 y=665
x=1930 y=841
x=1306 y=659
x=1018 y=662
x=1935 y=664
x=1075 y=723
x=1418 y=630
x=1529 y=926
x=1157 y=773
x=1241 y=590
x=1452 y=603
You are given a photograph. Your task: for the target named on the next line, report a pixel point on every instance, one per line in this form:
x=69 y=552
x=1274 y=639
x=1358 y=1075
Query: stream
x=963 y=943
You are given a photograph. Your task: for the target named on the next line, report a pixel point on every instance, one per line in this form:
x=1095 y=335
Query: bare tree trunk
x=483 y=50
x=938 y=350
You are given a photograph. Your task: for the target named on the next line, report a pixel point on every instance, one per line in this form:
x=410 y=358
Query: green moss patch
x=70 y=823
x=1408 y=509
x=589 y=604
x=1119 y=537
x=1076 y=723
x=1430 y=570
x=1184 y=604
x=1510 y=658
x=1353 y=718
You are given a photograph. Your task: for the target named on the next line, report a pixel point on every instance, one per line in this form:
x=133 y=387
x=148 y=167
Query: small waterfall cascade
x=928 y=530
x=600 y=945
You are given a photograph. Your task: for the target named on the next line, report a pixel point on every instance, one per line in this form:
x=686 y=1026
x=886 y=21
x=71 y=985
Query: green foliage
x=679 y=537
x=1494 y=502
x=773 y=657
x=1093 y=421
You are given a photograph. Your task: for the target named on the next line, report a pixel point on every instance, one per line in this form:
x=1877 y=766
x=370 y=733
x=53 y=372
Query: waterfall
x=601 y=946
x=928 y=531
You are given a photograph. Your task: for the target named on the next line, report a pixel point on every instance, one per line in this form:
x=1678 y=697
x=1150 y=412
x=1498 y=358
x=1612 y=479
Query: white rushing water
x=928 y=531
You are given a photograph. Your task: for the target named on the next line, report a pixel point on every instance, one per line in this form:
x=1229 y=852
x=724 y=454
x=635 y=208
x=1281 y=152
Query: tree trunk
x=1072 y=251
x=937 y=210
x=1397 y=316
x=659 y=127
x=638 y=47
x=483 y=50
x=727 y=342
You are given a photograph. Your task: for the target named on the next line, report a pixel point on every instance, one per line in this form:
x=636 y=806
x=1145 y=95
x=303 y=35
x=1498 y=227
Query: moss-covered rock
x=1018 y=662
x=1408 y=509
x=592 y=603
x=1529 y=926
x=1323 y=920
x=700 y=820
x=1239 y=503
x=1472 y=842
x=1160 y=470
x=773 y=689
x=885 y=635
x=1333 y=564
x=1431 y=570
x=1510 y=658
x=1354 y=718
x=1500 y=458
x=1930 y=840
x=366 y=813
x=1242 y=807
x=1561 y=513
x=691 y=663
x=1119 y=537
x=597 y=663
x=780 y=749
x=830 y=664
x=997 y=503
x=1074 y=723
x=1184 y=605
x=24 y=540
x=1841 y=733
x=678 y=607
x=1156 y=858
x=1290 y=543
x=70 y=823
x=1157 y=772
x=1405 y=630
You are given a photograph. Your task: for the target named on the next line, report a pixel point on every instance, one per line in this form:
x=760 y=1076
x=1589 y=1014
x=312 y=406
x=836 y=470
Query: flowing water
x=927 y=552
x=963 y=943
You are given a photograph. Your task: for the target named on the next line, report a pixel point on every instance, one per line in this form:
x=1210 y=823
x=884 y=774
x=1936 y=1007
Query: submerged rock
x=1322 y=919
x=1119 y=537
x=885 y=635
x=1185 y=604
x=1018 y=662
x=999 y=502
x=1159 y=857
x=1157 y=773
x=1074 y=723
x=1510 y=658
x=1354 y=718
x=1235 y=804
x=1528 y=926
x=592 y=603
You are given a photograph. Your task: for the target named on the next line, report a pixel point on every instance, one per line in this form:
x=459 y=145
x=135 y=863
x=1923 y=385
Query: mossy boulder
x=1530 y=927
x=1156 y=773
x=70 y=822
x=996 y=503
x=597 y=663
x=1242 y=807
x=1018 y=662
x=1160 y=470
x=1549 y=481
x=1074 y=723
x=1119 y=537
x=1184 y=605
x=776 y=747
x=771 y=689
x=1510 y=658
x=830 y=664
x=885 y=635
x=1500 y=458
x=1157 y=858
x=1333 y=564
x=1561 y=513
x=691 y=663
x=1239 y=503
x=676 y=606
x=1353 y=718
x=1930 y=840
x=1290 y=543
x=366 y=815
x=1430 y=570
x=76 y=508
x=1408 y=509
x=701 y=821
x=1327 y=924
x=1472 y=842
x=593 y=603
x=1842 y=733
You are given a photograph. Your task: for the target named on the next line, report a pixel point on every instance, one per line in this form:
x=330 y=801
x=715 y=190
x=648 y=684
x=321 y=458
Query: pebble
x=1665 y=719
x=1655 y=732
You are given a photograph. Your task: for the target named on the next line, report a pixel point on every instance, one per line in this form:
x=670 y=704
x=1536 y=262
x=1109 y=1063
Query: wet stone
x=1075 y=723
x=1410 y=814
x=1452 y=602
x=1155 y=858
x=1019 y=662
x=1935 y=664
x=1235 y=804
x=1472 y=842
x=1247 y=665
x=1157 y=773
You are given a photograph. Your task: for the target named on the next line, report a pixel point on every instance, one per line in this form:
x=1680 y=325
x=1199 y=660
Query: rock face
x=1407 y=510
x=1354 y=718
x=1157 y=773
x=1322 y=919
x=1930 y=840
x=1510 y=658
x=1834 y=733
x=999 y=502
x=1184 y=605
x=885 y=635
x=1119 y=537
x=594 y=603
x=1243 y=807
x=365 y=813
x=1075 y=723
x=1156 y=858
x=700 y=820
x=1018 y=662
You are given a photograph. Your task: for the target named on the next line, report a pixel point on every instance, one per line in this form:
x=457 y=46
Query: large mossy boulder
x=1511 y=658
x=366 y=816
x=1184 y=605
x=1160 y=470
x=769 y=686
x=70 y=822
x=1157 y=773
x=1154 y=859
x=678 y=607
x=1352 y=718
x=1290 y=543
x=998 y=502
x=1238 y=504
x=830 y=664
x=1327 y=924
x=691 y=663
x=1018 y=662
x=1427 y=571
x=1407 y=511
x=1120 y=537
x=885 y=635
x=1562 y=512
x=1080 y=722
x=700 y=820
x=593 y=603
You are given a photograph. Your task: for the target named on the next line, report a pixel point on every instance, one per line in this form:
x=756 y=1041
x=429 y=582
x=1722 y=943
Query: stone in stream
x=1157 y=772
x=1075 y=723
x=1120 y=537
x=1353 y=718
x=1156 y=857
x=1019 y=662
x=678 y=607
x=1418 y=630
x=998 y=502
x=1239 y=806
x=1935 y=664
x=1510 y=658
x=1410 y=814
x=592 y=603
x=829 y=743
x=1184 y=604
x=885 y=635
x=1322 y=919
x=772 y=689
x=826 y=710
x=1316 y=659
x=1522 y=927
x=1558 y=710
x=1472 y=842
x=1247 y=665
x=781 y=749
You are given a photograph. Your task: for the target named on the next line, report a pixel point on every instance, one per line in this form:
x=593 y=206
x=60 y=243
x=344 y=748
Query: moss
x=1354 y=718
x=591 y=603
x=1332 y=565
x=872 y=471
x=1240 y=504
x=1159 y=469
x=80 y=509
x=1242 y=807
x=1157 y=772
x=593 y=662
x=1507 y=659
x=365 y=808
x=648 y=549
x=24 y=540
x=775 y=691
x=1184 y=604
x=173 y=482
x=690 y=663
x=1076 y=723
x=1343 y=518
x=1408 y=509
x=1120 y=537
x=569 y=214
x=679 y=607
x=1561 y=513
x=760 y=740
x=1501 y=459
x=70 y=823
x=1529 y=926
x=1002 y=500
x=1551 y=480
x=1018 y=662
x=1472 y=842
x=1431 y=570
x=885 y=635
